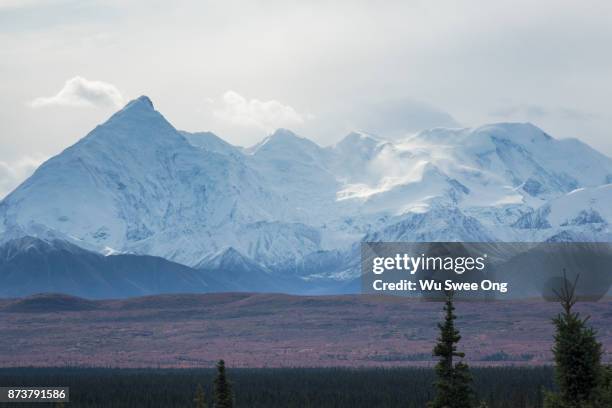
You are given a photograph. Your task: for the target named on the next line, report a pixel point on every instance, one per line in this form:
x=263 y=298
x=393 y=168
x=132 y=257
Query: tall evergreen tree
x=577 y=354
x=223 y=397
x=603 y=395
x=200 y=397
x=454 y=381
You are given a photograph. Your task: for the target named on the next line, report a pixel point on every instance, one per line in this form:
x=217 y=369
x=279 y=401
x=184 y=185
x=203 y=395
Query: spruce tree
x=603 y=394
x=454 y=381
x=200 y=397
x=577 y=355
x=223 y=391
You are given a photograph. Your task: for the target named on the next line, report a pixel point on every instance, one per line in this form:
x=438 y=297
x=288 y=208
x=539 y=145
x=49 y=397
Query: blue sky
x=243 y=68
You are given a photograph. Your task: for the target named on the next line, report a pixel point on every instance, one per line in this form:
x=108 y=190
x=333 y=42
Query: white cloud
x=245 y=121
x=253 y=113
x=463 y=59
x=11 y=174
x=79 y=91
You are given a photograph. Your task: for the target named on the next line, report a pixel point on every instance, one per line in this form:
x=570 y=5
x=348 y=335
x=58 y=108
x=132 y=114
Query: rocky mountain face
x=290 y=208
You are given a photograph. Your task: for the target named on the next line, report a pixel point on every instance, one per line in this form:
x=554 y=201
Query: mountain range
x=139 y=207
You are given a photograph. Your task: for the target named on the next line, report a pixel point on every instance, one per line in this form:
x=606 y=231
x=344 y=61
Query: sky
x=244 y=68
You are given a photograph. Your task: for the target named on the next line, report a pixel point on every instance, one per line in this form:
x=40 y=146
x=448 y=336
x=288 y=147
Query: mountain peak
x=225 y=257
x=281 y=140
x=231 y=252
x=141 y=106
x=284 y=134
x=137 y=120
x=30 y=244
x=143 y=101
x=514 y=130
x=358 y=138
x=521 y=133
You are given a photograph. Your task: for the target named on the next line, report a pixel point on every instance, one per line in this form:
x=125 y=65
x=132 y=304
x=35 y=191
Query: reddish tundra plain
x=273 y=330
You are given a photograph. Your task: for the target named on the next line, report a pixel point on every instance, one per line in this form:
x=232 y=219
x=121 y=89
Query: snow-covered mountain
x=31 y=265
x=288 y=206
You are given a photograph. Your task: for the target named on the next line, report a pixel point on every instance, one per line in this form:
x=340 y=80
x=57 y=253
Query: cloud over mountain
x=13 y=173
x=265 y=115
x=82 y=92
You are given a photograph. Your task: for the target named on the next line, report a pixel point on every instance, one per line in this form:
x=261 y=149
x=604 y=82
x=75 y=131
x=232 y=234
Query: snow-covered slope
x=295 y=169
x=240 y=273
x=584 y=214
x=210 y=142
x=137 y=185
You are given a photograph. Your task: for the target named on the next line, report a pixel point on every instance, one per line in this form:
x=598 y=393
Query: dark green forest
x=503 y=387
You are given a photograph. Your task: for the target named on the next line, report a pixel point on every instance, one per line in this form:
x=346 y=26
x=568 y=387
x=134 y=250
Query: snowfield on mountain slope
x=136 y=184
